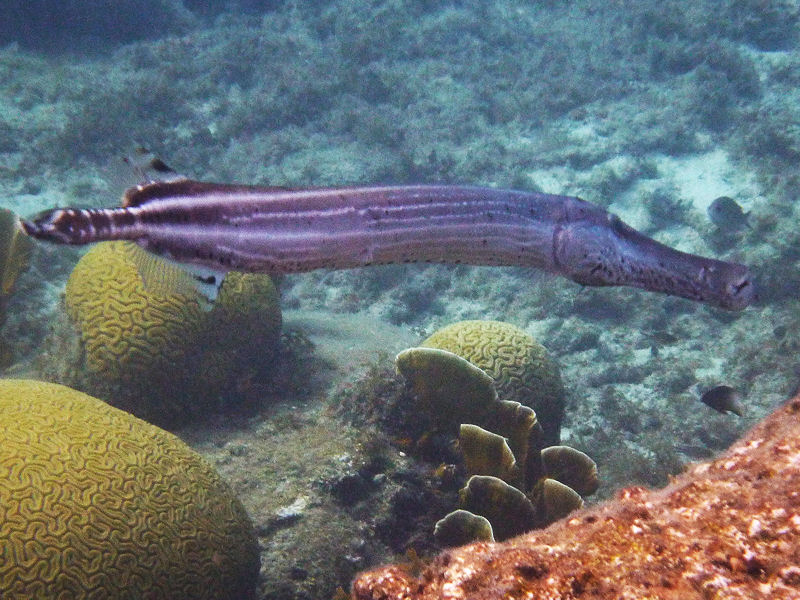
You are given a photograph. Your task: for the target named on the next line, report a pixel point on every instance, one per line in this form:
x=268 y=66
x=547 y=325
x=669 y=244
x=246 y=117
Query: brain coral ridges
x=154 y=346
x=99 y=504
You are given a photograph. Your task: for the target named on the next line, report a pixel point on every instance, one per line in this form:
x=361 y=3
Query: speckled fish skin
x=276 y=230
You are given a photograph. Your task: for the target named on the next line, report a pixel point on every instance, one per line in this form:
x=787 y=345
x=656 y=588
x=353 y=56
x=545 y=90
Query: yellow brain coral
x=521 y=367
x=153 y=345
x=99 y=504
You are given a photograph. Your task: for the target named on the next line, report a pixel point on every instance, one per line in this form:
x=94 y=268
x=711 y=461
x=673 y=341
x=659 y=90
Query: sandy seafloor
x=652 y=109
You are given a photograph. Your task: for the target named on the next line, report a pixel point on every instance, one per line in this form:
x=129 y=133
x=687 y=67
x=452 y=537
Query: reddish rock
x=727 y=529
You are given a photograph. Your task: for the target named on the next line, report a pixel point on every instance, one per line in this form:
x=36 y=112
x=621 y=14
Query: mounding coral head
x=153 y=345
x=99 y=504
x=521 y=368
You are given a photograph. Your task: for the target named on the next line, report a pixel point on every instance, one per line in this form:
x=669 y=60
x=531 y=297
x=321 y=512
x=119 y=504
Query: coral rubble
x=729 y=528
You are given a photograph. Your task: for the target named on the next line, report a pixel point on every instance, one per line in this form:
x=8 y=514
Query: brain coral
x=153 y=345
x=521 y=367
x=99 y=504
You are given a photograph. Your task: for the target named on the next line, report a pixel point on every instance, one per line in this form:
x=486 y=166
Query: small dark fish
x=726 y=214
x=722 y=398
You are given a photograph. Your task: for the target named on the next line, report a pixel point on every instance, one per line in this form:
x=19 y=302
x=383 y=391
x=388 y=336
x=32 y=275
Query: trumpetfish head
x=607 y=251
x=81 y=225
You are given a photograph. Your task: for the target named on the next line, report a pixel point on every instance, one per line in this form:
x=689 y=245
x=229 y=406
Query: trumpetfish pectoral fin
x=164 y=277
x=207 y=281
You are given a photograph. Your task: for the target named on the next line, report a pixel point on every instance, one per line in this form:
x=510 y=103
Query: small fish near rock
x=728 y=215
x=723 y=399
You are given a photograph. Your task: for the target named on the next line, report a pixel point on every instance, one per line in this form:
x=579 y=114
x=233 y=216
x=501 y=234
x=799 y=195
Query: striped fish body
x=277 y=231
x=274 y=230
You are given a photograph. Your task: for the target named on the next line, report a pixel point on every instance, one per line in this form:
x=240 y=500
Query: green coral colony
x=145 y=327
x=515 y=484
x=521 y=368
x=99 y=504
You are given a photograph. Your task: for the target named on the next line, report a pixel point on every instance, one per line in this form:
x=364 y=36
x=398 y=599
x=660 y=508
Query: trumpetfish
x=278 y=230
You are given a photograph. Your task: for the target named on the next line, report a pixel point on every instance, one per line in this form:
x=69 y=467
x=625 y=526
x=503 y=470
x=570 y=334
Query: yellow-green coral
x=447 y=387
x=521 y=367
x=99 y=504
x=144 y=327
x=15 y=251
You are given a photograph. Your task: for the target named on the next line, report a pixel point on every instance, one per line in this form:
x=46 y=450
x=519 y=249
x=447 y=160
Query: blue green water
x=651 y=109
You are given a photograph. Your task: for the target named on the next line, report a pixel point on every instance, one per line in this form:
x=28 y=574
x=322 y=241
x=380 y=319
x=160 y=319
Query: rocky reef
x=729 y=528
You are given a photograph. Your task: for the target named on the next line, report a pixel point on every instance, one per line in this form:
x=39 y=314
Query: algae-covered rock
x=99 y=504
x=153 y=345
x=521 y=368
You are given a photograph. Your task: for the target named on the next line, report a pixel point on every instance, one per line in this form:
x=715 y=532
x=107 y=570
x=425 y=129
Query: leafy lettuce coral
x=521 y=368
x=515 y=490
x=151 y=343
x=99 y=504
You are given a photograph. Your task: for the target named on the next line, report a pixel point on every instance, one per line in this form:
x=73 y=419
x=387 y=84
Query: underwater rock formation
x=152 y=344
x=521 y=368
x=99 y=504
x=729 y=528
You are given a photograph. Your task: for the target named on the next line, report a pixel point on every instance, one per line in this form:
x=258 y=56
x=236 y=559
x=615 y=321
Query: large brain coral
x=521 y=367
x=99 y=504
x=152 y=344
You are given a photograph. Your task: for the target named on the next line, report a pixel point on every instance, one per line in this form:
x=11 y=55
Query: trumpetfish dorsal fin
x=157 y=180
x=149 y=168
